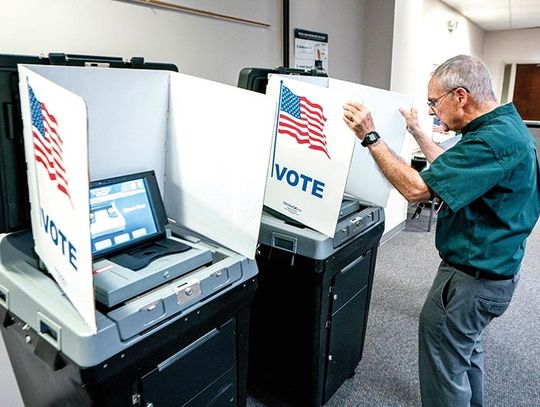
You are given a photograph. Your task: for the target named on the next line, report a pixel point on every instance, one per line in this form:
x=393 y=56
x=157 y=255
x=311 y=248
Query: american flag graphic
x=47 y=142
x=303 y=120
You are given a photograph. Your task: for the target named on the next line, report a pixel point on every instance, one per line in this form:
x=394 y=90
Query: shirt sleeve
x=463 y=173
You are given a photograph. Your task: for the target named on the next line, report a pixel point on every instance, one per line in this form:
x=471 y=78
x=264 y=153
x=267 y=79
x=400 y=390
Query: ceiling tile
x=499 y=14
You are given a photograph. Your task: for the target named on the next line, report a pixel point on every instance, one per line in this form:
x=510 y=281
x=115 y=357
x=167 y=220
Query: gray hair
x=468 y=72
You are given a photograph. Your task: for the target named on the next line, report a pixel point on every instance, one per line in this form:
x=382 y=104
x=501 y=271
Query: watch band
x=370 y=138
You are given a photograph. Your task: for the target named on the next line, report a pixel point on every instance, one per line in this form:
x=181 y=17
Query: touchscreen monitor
x=125 y=212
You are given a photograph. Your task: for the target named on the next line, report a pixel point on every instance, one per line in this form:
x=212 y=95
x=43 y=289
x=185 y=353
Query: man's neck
x=479 y=110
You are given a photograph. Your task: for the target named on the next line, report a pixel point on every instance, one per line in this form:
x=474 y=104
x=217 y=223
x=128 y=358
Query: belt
x=471 y=271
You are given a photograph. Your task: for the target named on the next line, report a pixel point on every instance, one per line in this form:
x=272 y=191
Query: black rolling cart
x=310 y=312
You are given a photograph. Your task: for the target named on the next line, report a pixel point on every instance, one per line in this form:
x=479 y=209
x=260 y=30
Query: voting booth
x=14 y=202
x=319 y=235
x=131 y=288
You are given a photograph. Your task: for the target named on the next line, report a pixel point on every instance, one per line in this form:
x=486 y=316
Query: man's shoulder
x=505 y=134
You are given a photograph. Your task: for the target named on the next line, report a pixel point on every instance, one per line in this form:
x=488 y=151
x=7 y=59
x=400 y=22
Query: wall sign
x=310 y=50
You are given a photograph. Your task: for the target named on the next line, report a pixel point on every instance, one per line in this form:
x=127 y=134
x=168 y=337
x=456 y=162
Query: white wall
x=404 y=74
x=202 y=46
x=437 y=44
x=343 y=22
x=378 y=28
x=421 y=41
x=503 y=47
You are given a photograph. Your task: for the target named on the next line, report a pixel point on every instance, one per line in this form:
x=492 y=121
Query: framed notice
x=310 y=50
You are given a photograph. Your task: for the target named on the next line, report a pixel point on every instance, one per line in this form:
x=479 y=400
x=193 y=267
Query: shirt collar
x=485 y=118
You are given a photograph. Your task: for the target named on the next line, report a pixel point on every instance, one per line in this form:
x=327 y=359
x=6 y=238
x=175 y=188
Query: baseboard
x=392 y=232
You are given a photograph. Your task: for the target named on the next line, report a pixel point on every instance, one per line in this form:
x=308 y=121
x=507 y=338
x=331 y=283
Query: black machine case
x=256 y=79
x=304 y=346
x=14 y=202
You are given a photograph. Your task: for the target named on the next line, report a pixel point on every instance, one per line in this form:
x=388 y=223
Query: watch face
x=370 y=138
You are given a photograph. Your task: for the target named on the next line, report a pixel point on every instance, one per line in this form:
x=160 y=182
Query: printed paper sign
x=56 y=147
x=311 y=154
x=310 y=50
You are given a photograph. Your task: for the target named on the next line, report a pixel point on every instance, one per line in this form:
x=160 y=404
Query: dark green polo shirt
x=489 y=182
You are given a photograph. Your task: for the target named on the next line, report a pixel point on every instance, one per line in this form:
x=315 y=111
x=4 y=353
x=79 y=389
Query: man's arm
x=406 y=179
x=403 y=177
x=430 y=149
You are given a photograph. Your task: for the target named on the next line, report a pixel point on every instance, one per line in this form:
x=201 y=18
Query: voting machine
x=169 y=311
x=170 y=315
x=304 y=346
x=182 y=342
x=14 y=189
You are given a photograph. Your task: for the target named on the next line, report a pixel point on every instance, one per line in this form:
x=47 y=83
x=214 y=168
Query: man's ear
x=463 y=96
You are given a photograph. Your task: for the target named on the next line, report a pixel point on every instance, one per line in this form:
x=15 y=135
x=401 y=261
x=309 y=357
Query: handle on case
x=137 y=62
x=10 y=124
x=58 y=58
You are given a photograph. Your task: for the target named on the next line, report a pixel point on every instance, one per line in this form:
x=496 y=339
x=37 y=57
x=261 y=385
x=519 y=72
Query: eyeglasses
x=433 y=103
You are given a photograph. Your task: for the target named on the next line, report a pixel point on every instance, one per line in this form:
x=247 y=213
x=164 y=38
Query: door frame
x=508 y=81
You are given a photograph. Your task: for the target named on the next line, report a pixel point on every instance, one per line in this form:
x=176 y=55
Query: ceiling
x=493 y=15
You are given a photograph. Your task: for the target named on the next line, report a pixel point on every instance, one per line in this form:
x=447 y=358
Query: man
x=489 y=183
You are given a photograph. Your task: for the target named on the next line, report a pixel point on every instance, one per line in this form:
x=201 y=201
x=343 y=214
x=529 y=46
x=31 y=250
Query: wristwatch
x=370 y=138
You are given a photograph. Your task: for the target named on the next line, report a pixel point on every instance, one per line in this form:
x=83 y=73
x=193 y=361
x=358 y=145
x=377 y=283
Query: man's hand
x=358 y=118
x=406 y=179
x=411 y=118
x=428 y=147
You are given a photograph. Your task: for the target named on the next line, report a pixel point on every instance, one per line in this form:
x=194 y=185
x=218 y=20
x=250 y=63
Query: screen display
x=124 y=212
